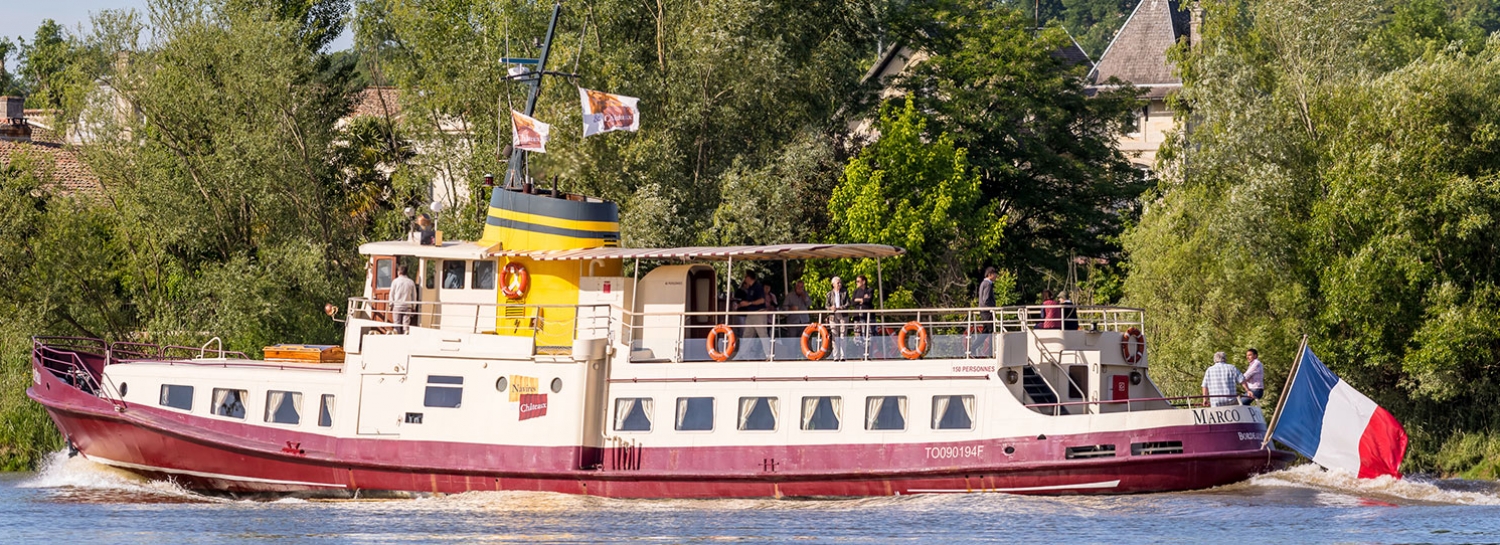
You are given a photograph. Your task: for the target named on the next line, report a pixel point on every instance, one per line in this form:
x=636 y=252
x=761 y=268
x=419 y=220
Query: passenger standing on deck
x=987 y=299
x=1069 y=313
x=1221 y=382
x=1255 y=378
x=1051 y=312
x=798 y=303
x=754 y=300
x=837 y=301
x=863 y=298
x=403 y=293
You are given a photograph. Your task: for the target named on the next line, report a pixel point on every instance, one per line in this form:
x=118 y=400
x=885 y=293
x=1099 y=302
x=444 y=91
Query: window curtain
x=273 y=404
x=901 y=406
x=747 y=404
x=809 y=406
x=872 y=410
x=682 y=405
x=646 y=406
x=623 y=406
x=837 y=403
x=328 y=408
x=164 y=389
x=771 y=404
x=969 y=405
x=221 y=401
x=939 y=408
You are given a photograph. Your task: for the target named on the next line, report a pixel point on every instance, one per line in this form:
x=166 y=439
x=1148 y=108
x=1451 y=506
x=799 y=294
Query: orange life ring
x=713 y=338
x=1133 y=335
x=514 y=281
x=823 y=347
x=921 y=340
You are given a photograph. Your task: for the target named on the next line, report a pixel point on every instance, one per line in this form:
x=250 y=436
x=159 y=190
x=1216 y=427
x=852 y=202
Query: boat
x=533 y=359
x=544 y=357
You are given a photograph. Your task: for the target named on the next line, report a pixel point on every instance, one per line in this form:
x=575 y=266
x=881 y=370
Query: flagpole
x=1285 y=389
x=518 y=155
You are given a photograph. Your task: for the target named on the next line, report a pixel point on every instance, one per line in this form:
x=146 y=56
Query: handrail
x=1047 y=355
x=204 y=348
x=1138 y=400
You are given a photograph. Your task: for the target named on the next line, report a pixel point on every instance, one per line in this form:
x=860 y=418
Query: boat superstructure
x=598 y=378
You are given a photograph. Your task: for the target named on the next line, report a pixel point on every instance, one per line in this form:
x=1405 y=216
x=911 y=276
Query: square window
x=230 y=402
x=177 y=396
x=633 y=414
x=757 y=414
x=695 y=414
x=885 y=413
x=283 y=407
x=484 y=275
x=453 y=275
x=440 y=394
x=821 y=413
x=953 y=412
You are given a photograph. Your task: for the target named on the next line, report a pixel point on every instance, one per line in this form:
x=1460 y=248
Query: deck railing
x=549 y=325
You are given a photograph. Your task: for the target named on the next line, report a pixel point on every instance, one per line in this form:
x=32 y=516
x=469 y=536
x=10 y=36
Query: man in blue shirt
x=753 y=299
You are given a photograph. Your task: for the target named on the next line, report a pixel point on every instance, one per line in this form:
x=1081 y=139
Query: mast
x=518 y=156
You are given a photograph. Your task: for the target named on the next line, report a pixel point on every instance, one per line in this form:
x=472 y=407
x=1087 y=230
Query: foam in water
x=77 y=473
x=1410 y=489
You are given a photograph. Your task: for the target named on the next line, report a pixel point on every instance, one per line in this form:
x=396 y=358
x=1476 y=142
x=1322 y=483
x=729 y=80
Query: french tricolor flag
x=1325 y=419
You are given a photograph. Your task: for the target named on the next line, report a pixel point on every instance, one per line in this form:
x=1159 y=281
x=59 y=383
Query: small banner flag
x=527 y=133
x=1323 y=418
x=603 y=112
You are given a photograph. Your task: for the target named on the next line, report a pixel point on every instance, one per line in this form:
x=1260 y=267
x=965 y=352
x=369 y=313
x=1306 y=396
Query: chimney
x=13 y=126
x=1195 y=25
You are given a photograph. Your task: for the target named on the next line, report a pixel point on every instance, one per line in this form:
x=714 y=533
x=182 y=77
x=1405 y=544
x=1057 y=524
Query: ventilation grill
x=1091 y=451
x=1156 y=447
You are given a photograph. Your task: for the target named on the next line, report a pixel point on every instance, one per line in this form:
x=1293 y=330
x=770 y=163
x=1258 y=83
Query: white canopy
x=717 y=253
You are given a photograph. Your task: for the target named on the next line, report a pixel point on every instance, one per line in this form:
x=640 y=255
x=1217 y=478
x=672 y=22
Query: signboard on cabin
x=533 y=406
x=521 y=385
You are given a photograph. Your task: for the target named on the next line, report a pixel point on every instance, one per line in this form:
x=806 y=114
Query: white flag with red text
x=527 y=133
x=603 y=112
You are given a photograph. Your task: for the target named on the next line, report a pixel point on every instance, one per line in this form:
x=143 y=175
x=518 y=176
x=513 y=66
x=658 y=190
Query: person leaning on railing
x=1221 y=382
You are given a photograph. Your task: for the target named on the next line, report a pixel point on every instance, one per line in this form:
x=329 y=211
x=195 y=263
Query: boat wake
x=1413 y=490
x=77 y=480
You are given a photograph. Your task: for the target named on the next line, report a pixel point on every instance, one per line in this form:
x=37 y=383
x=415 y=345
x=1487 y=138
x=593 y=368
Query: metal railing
x=559 y=321
x=1192 y=402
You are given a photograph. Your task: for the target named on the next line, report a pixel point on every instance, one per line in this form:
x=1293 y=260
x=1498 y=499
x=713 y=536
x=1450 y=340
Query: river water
x=75 y=501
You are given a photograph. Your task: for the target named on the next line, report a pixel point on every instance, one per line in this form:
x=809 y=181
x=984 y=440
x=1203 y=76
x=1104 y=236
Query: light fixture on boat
x=501 y=384
x=1135 y=378
x=1011 y=376
x=557 y=385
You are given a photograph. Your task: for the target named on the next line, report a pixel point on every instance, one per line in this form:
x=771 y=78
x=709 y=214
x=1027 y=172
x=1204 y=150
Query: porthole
x=556 y=385
x=501 y=384
x=124 y=388
x=1009 y=450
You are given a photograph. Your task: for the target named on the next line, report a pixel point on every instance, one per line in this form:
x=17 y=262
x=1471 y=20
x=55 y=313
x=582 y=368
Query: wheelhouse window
x=633 y=414
x=757 y=414
x=384 y=272
x=325 y=411
x=444 y=391
x=821 y=413
x=177 y=396
x=484 y=275
x=695 y=414
x=885 y=413
x=230 y=402
x=953 y=412
x=453 y=274
x=283 y=407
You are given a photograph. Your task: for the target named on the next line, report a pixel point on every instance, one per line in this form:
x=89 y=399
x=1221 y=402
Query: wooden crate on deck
x=311 y=353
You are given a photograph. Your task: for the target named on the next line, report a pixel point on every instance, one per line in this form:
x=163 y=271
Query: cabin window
x=453 y=275
x=444 y=391
x=953 y=412
x=176 y=396
x=325 y=411
x=230 y=402
x=695 y=414
x=484 y=275
x=429 y=274
x=757 y=414
x=633 y=414
x=885 y=413
x=821 y=413
x=283 y=407
x=384 y=272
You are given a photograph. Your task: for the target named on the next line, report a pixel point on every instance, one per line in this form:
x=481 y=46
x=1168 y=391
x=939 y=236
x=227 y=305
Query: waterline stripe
x=128 y=465
x=1083 y=486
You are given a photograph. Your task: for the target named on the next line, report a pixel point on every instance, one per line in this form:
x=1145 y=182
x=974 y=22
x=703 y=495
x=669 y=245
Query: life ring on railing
x=514 y=281
x=824 y=346
x=1133 y=355
x=713 y=341
x=921 y=340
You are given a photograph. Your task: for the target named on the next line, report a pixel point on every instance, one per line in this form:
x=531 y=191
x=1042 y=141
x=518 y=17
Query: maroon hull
x=214 y=454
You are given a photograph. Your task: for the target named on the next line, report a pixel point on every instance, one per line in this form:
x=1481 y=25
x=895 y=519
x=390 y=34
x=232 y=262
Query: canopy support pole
x=880 y=283
x=784 y=281
x=635 y=291
x=728 y=287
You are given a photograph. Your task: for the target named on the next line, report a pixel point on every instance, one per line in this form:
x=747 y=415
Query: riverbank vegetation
x=1338 y=178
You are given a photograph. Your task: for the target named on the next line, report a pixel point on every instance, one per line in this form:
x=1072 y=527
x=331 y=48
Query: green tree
x=1042 y=146
x=917 y=190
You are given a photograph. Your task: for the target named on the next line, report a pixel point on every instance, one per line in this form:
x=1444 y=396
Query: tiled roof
x=377 y=102
x=1138 y=54
x=69 y=174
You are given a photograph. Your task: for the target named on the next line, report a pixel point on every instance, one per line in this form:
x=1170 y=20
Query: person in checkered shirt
x=1221 y=382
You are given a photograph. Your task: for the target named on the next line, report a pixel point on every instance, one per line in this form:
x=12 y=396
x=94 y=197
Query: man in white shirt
x=1255 y=378
x=403 y=293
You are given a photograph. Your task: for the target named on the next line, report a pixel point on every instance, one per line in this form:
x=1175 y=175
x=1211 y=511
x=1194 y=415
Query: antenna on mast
x=534 y=78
